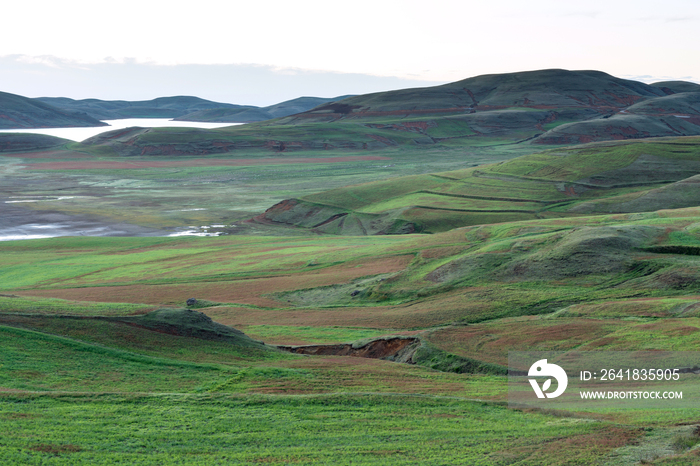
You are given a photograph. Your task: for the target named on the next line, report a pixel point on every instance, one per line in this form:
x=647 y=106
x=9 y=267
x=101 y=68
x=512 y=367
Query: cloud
x=668 y=19
x=111 y=79
x=45 y=60
x=583 y=14
x=650 y=79
x=675 y=19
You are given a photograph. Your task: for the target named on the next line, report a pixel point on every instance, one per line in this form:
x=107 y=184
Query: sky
x=267 y=51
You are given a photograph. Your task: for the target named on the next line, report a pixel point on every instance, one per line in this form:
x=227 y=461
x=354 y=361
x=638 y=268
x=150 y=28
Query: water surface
x=81 y=134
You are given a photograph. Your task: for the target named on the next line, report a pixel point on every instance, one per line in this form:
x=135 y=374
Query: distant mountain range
x=539 y=107
x=162 y=107
x=186 y=108
x=249 y=114
x=22 y=112
x=18 y=112
x=547 y=107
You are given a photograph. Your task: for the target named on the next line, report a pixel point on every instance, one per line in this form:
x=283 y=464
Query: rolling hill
x=673 y=115
x=20 y=142
x=544 y=89
x=162 y=107
x=613 y=177
x=546 y=107
x=249 y=114
x=184 y=108
x=17 y=112
x=326 y=349
x=554 y=106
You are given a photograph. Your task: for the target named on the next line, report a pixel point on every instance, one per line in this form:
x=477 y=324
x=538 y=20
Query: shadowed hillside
x=544 y=107
x=22 y=112
x=249 y=114
x=18 y=142
x=162 y=107
x=673 y=115
x=544 y=89
x=185 y=108
x=670 y=87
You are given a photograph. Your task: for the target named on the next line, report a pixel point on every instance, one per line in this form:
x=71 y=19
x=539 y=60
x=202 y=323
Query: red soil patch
x=491 y=342
x=56 y=449
x=297 y=339
x=50 y=154
x=440 y=252
x=317 y=113
x=408 y=316
x=245 y=291
x=681 y=331
x=378 y=349
x=360 y=374
x=112 y=165
x=577 y=449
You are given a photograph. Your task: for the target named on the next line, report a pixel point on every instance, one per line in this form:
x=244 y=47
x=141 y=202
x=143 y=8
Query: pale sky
x=265 y=51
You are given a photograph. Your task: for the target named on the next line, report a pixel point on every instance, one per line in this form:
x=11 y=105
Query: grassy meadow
x=582 y=248
x=174 y=192
x=598 y=178
x=92 y=375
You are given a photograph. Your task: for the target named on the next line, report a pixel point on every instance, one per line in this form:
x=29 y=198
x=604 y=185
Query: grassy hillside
x=549 y=88
x=96 y=329
x=184 y=108
x=412 y=189
x=90 y=185
x=249 y=114
x=543 y=107
x=162 y=107
x=25 y=142
x=596 y=178
x=674 y=115
x=245 y=139
x=670 y=87
x=369 y=348
x=22 y=112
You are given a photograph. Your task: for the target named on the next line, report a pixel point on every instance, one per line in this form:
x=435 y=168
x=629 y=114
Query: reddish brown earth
x=377 y=349
x=49 y=154
x=421 y=314
x=491 y=343
x=244 y=291
x=363 y=374
x=300 y=338
x=108 y=165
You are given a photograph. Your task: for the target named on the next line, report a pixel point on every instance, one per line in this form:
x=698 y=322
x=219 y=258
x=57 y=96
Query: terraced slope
x=595 y=178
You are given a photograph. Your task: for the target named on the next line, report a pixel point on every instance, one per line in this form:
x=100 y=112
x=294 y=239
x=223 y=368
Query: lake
x=17 y=223
x=80 y=134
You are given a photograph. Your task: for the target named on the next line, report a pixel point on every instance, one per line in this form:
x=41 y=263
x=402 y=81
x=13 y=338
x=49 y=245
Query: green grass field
x=596 y=178
x=174 y=192
x=357 y=429
x=91 y=371
x=586 y=248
